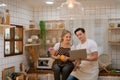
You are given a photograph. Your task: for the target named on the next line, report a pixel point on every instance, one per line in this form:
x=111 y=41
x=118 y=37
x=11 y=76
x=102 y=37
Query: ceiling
x=57 y=3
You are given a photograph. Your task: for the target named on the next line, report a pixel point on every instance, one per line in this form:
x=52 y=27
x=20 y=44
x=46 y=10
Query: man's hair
x=79 y=29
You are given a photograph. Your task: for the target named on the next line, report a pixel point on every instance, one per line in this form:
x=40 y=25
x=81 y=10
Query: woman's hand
x=63 y=58
x=57 y=57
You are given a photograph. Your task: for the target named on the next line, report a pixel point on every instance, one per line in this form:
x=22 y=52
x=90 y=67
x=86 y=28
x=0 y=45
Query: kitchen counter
x=109 y=74
x=39 y=71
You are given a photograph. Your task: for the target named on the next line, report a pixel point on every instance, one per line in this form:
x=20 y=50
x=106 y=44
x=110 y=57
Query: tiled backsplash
x=20 y=14
x=95 y=21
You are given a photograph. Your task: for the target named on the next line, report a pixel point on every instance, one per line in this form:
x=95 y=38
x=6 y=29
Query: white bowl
x=29 y=40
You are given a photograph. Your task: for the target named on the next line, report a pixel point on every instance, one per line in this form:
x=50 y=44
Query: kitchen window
x=13 y=41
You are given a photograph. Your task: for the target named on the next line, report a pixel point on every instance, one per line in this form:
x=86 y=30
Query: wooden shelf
x=32 y=70
x=109 y=74
x=114 y=19
x=27 y=45
x=57 y=29
x=114 y=42
x=54 y=20
x=32 y=29
x=6 y=26
x=18 y=39
x=116 y=28
x=50 y=44
x=14 y=39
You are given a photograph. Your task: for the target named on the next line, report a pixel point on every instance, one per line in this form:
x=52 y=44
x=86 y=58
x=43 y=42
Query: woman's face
x=80 y=35
x=67 y=37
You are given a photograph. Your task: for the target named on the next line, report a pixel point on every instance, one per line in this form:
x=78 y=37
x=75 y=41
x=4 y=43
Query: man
x=85 y=69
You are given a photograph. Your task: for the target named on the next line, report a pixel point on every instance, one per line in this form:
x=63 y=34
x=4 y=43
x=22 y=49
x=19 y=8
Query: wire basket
x=104 y=61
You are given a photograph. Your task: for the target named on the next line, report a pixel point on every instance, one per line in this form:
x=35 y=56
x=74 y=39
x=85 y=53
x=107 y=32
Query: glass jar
x=7 y=17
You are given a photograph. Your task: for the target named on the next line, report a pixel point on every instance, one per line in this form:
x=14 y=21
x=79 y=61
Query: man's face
x=80 y=35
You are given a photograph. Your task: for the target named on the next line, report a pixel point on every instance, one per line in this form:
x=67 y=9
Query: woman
x=85 y=69
x=62 y=66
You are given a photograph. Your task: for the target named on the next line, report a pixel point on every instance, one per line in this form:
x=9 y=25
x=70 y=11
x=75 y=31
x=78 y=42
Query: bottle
x=31 y=24
x=2 y=18
x=7 y=17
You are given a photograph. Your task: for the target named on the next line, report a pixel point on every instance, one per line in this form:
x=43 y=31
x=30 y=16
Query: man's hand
x=76 y=68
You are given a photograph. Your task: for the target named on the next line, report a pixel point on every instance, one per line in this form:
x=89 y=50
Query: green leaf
x=43 y=33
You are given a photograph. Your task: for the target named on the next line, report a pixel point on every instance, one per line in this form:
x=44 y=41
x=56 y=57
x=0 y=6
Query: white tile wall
x=97 y=31
x=20 y=14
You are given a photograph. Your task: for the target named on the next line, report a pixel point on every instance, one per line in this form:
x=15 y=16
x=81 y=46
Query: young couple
x=83 y=69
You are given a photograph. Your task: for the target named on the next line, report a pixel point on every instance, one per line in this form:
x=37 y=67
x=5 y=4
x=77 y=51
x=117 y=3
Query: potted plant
x=43 y=36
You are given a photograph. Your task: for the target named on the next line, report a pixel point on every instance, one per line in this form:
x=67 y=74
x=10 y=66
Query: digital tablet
x=80 y=53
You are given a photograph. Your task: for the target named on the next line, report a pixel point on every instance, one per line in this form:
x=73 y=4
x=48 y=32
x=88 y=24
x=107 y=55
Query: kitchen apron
x=88 y=69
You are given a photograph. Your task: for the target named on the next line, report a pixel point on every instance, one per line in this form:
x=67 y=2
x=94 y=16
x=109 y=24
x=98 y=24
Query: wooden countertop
x=109 y=74
x=39 y=71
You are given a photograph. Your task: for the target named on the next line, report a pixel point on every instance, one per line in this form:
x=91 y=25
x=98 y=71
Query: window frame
x=13 y=40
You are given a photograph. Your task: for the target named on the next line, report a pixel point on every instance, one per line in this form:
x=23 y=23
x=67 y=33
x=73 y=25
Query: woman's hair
x=64 y=32
x=79 y=29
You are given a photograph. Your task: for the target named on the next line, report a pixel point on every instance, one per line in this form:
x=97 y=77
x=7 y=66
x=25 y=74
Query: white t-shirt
x=88 y=69
x=90 y=45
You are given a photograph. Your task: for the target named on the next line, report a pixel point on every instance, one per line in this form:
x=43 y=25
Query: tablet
x=80 y=53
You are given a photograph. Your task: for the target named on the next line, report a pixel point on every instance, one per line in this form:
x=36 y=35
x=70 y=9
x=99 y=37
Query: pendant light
x=71 y=9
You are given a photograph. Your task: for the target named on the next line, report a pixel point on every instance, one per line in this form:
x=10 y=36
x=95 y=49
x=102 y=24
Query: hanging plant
x=43 y=33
